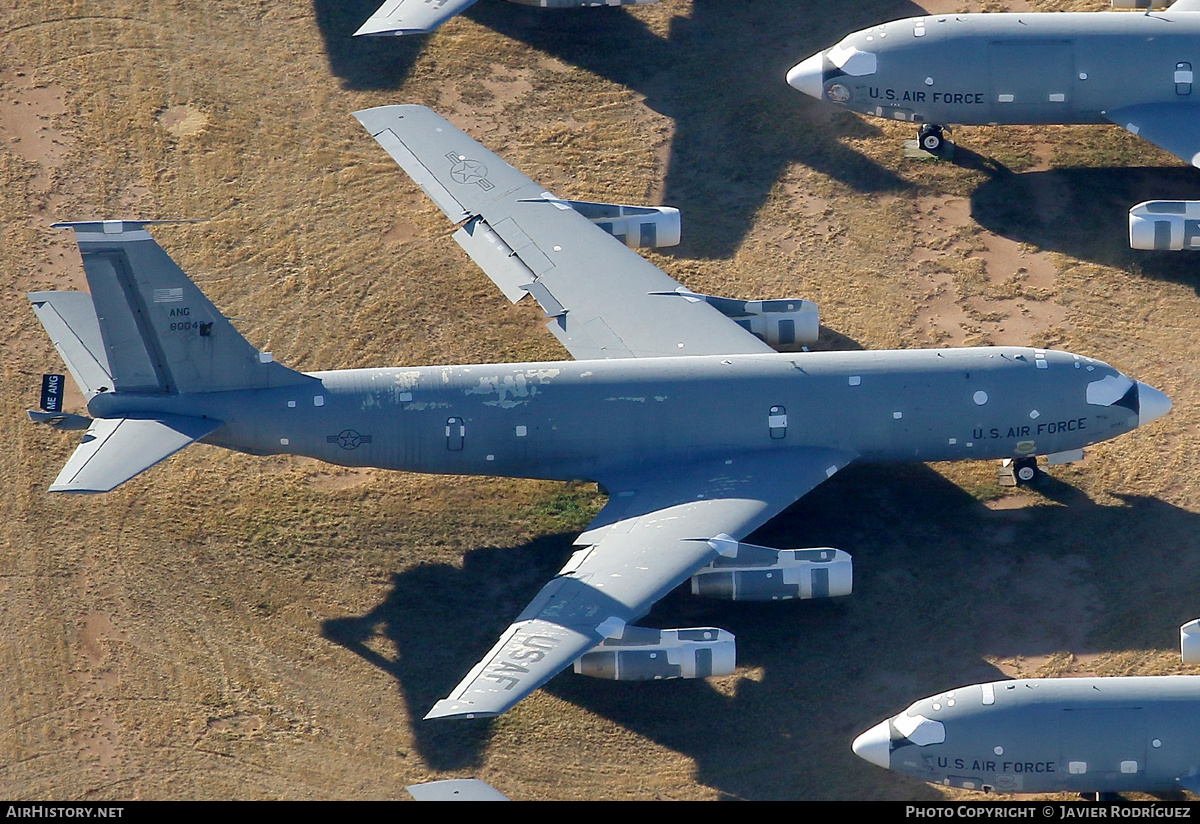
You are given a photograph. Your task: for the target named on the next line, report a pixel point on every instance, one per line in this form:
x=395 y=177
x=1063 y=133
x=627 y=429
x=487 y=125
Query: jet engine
x=638 y=227
x=1164 y=225
x=784 y=324
x=642 y=654
x=756 y=573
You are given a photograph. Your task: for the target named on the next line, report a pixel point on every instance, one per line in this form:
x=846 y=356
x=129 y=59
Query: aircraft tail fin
x=116 y=449
x=149 y=328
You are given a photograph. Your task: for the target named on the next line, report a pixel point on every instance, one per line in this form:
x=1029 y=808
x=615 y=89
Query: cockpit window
x=852 y=61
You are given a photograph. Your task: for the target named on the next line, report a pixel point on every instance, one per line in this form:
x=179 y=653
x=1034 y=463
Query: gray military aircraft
x=696 y=427
x=1087 y=735
x=1132 y=69
x=1043 y=735
x=397 y=17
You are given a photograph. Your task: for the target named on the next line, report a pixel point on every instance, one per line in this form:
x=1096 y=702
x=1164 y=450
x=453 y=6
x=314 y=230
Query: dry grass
x=229 y=627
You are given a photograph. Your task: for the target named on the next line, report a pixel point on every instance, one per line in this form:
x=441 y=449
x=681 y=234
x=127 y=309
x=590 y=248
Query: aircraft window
x=1109 y=390
x=852 y=61
x=1166 y=207
x=1183 y=78
x=920 y=730
x=777 y=423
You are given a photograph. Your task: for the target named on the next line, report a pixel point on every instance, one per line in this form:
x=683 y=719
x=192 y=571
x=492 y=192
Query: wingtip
x=448 y=708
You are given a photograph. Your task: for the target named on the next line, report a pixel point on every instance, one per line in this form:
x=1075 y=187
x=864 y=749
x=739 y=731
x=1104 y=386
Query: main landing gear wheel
x=1025 y=470
x=931 y=138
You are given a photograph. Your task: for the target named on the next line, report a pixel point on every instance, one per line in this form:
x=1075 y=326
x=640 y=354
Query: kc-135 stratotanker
x=1136 y=70
x=679 y=405
x=1042 y=735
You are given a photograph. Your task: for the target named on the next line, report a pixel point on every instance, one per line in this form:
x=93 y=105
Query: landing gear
x=1019 y=472
x=1026 y=470
x=931 y=138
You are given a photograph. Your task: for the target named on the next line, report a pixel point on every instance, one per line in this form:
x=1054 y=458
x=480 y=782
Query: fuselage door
x=456 y=433
x=1032 y=80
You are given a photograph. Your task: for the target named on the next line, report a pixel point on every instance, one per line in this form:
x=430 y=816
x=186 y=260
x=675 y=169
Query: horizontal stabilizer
x=116 y=449
x=70 y=320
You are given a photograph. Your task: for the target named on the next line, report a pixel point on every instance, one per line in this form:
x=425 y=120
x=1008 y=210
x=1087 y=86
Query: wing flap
x=494 y=256
x=1171 y=126
x=411 y=16
x=607 y=300
x=659 y=528
x=116 y=449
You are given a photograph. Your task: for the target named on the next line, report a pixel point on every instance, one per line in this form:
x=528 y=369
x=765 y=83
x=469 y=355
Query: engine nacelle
x=756 y=573
x=642 y=654
x=638 y=227
x=1189 y=642
x=1165 y=225
x=786 y=325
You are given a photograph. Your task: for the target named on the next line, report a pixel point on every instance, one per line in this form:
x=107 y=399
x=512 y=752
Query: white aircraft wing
x=411 y=16
x=603 y=299
x=1171 y=126
x=661 y=525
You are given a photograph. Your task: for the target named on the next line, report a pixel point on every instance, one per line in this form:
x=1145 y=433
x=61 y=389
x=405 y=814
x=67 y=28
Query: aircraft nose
x=809 y=76
x=1152 y=404
x=874 y=745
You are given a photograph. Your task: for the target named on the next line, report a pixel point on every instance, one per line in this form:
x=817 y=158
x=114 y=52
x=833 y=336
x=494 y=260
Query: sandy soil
x=230 y=627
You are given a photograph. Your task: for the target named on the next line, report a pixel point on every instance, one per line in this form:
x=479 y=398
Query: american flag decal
x=168 y=295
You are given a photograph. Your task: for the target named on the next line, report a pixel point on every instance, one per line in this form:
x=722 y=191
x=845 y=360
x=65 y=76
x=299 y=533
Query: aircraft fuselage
x=979 y=69
x=577 y=419
x=1133 y=734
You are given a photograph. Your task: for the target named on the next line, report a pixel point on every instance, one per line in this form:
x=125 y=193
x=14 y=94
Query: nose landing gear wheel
x=1026 y=470
x=931 y=138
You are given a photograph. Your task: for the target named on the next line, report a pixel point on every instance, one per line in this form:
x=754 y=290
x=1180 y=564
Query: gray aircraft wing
x=603 y=299
x=661 y=525
x=411 y=16
x=1171 y=126
x=116 y=449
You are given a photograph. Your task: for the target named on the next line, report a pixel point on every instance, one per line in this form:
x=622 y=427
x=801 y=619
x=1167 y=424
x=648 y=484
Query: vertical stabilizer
x=160 y=333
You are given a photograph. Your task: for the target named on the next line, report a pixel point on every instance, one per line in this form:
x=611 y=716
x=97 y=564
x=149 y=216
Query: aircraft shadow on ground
x=1083 y=212
x=364 y=63
x=943 y=584
x=719 y=75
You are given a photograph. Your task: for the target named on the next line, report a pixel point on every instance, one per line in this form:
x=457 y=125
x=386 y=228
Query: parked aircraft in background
x=680 y=407
x=396 y=17
x=1135 y=70
x=1042 y=735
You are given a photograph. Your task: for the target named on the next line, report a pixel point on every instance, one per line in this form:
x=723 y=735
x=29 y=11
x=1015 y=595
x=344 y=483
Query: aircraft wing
x=661 y=525
x=411 y=16
x=1171 y=126
x=603 y=299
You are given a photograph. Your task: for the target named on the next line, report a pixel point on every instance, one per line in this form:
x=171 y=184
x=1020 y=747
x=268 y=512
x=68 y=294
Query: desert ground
x=229 y=627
